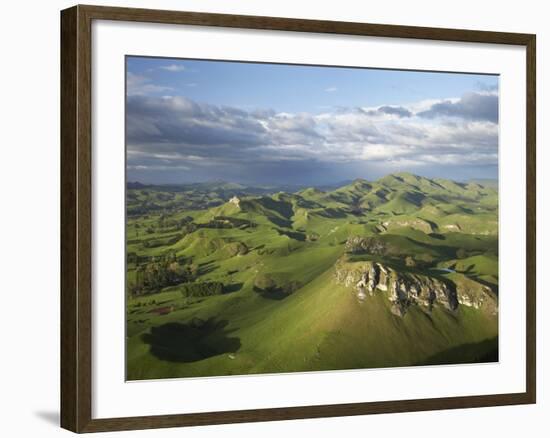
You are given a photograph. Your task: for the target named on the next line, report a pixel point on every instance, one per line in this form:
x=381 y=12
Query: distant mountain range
x=273 y=188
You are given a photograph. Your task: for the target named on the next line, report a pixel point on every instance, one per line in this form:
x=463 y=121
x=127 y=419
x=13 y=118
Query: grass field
x=224 y=279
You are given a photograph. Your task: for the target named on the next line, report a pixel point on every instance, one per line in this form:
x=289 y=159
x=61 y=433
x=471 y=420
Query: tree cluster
x=168 y=271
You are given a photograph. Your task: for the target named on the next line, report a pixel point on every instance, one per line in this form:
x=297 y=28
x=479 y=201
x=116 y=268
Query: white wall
x=29 y=189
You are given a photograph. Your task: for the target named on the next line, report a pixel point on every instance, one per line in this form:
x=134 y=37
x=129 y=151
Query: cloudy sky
x=194 y=121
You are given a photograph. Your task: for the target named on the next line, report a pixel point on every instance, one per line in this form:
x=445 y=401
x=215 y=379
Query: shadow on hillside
x=206 y=267
x=444 y=250
x=273 y=294
x=301 y=237
x=415 y=198
x=479 y=352
x=282 y=207
x=331 y=213
x=233 y=287
x=279 y=221
x=191 y=342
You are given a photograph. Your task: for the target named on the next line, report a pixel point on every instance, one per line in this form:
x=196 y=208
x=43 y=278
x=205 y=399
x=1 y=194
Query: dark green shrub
x=264 y=282
x=275 y=285
x=202 y=289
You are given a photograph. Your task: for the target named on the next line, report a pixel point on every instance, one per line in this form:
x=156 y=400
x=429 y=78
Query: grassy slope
x=321 y=327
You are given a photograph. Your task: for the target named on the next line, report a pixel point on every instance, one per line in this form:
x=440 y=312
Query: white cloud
x=331 y=89
x=137 y=85
x=173 y=68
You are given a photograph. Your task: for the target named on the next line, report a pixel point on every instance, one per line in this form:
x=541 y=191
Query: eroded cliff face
x=404 y=289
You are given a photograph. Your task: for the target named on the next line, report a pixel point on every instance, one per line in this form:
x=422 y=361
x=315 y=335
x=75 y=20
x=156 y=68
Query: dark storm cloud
x=472 y=106
x=177 y=119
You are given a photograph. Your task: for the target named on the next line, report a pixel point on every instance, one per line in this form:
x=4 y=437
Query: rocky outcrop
x=371 y=245
x=470 y=293
x=452 y=227
x=235 y=200
x=404 y=289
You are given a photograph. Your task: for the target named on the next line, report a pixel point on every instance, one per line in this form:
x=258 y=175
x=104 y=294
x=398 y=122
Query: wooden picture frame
x=76 y=217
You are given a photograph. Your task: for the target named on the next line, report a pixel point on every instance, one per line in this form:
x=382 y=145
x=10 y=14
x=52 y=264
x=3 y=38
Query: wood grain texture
x=299 y=25
x=76 y=250
x=531 y=217
x=76 y=219
x=303 y=412
x=69 y=330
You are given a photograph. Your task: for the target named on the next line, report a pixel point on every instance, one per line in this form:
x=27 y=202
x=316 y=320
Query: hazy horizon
x=334 y=184
x=193 y=121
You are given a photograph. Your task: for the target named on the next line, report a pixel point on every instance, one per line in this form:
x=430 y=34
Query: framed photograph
x=269 y=218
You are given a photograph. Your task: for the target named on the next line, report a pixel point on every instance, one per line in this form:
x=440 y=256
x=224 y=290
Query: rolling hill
x=225 y=279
